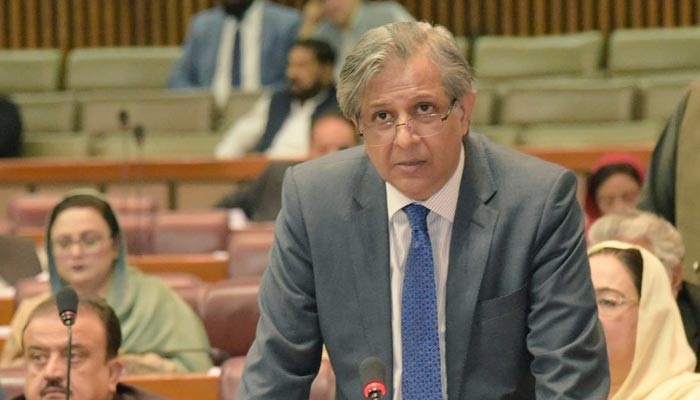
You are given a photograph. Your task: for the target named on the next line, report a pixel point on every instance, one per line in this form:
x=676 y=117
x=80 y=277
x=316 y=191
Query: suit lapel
x=372 y=277
x=472 y=235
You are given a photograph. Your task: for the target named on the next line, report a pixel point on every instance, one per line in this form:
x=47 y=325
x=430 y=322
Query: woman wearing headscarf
x=649 y=356
x=86 y=249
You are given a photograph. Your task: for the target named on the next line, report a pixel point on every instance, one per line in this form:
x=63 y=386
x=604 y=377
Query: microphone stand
x=70 y=359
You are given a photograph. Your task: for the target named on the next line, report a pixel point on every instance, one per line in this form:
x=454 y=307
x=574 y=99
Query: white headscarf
x=663 y=363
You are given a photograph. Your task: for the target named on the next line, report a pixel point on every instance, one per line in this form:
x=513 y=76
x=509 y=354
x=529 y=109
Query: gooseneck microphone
x=373 y=373
x=67 y=302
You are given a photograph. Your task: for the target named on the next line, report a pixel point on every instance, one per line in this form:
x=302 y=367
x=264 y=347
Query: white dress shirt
x=250 y=31
x=442 y=206
x=292 y=140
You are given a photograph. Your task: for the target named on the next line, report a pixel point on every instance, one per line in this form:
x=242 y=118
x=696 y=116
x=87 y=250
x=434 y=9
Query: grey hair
x=632 y=225
x=400 y=41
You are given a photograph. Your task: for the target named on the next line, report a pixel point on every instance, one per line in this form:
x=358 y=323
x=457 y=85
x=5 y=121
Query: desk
x=209 y=267
x=178 y=386
x=32 y=173
x=7 y=308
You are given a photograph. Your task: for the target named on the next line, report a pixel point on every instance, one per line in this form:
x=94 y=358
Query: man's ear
x=114 y=369
x=327 y=74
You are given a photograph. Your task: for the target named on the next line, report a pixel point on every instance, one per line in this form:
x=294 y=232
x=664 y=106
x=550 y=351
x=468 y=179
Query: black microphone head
x=123 y=117
x=67 y=302
x=373 y=374
x=139 y=134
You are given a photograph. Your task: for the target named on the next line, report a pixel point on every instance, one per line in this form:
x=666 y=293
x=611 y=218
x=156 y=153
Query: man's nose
x=55 y=369
x=403 y=134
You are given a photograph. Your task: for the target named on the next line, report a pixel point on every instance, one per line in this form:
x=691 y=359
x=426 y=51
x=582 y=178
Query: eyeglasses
x=612 y=304
x=90 y=243
x=422 y=125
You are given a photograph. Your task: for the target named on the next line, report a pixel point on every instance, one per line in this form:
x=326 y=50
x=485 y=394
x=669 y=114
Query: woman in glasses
x=86 y=250
x=649 y=355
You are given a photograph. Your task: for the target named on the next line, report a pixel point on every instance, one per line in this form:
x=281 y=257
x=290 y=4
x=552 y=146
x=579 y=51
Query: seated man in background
x=241 y=44
x=665 y=242
x=95 y=368
x=343 y=22
x=86 y=249
x=261 y=200
x=278 y=124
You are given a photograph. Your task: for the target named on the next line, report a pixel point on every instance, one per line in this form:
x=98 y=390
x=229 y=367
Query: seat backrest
x=31 y=210
x=567 y=101
x=56 y=145
x=191 y=231
x=498 y=58
x=629 y=133
x=156 y=145
x=139 y=231
x=230 y=315
x=133 y=203
x=31 y=70
x=248 y=250
x=659 y=96
x=239 y=103
x=654 y=50
x=155 y=110
x=47 y=112
x=120 y=67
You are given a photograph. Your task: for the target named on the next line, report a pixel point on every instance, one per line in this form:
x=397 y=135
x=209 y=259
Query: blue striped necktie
x=421 y=378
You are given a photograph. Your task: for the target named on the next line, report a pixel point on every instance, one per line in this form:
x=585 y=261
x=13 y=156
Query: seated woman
x=614 y=185
x=649 y=355
x=86 y=249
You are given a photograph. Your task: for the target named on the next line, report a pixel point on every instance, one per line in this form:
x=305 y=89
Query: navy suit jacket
x=521 y=318
x=196 y=67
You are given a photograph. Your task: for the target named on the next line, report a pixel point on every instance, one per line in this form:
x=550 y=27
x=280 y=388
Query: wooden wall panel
x=83 y=23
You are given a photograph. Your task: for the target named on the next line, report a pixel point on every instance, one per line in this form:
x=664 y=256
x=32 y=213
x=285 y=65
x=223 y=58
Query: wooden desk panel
x=37 y=171
x=208 y=267
x=7 y=309
x=178 y=386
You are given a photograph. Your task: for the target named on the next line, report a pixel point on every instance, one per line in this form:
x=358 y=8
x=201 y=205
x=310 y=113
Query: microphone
x=372 y=373
x=139 y=135
x=67 y=303
x=123 y=117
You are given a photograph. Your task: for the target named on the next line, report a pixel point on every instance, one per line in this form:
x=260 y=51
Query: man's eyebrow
x=35 y=347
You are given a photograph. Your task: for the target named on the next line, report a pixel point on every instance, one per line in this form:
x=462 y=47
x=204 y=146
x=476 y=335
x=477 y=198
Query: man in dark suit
x=262 y=199
x=488 y=297
x=259 y=32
